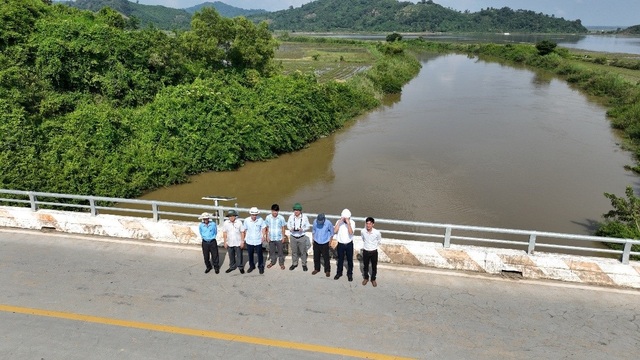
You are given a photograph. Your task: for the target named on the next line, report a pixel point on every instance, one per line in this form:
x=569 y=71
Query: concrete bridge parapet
x=570 y=268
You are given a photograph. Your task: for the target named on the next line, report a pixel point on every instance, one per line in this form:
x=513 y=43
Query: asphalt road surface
x=78 y=297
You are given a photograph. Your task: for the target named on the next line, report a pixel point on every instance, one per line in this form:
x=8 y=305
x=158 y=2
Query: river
x=467 y=142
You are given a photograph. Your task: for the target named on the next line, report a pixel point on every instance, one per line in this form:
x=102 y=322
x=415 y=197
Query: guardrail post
x=156 y=214
x=532 y=244
x=626 y=253
x=220 y=216
x=92 y=205
x=32 y=200
x=447 y=237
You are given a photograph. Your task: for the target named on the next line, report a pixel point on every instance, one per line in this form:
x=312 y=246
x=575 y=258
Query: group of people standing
x=254 y=231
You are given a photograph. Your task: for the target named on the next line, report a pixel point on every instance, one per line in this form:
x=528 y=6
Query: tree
x=394 y=37
x=545 y=47
x=624 y=220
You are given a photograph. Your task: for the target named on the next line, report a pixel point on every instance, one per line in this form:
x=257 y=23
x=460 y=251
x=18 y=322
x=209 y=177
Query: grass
x=600 y=61
x=329 y=62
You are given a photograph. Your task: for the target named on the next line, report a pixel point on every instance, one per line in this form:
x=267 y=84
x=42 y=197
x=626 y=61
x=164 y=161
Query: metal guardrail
x=413 y=230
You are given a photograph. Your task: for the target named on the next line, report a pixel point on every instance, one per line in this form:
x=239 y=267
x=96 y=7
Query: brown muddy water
x=467 y=142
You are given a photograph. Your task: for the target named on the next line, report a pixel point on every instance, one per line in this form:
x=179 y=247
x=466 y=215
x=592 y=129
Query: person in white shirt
x=233 y=235
x=371 y=238
x=344 y=230
x=298 y=224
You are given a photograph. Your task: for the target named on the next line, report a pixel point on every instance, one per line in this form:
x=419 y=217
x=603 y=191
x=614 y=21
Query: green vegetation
x=157 y=16
x=623 y=221
x=88 y=106
x=425 y=16
x=224 y=10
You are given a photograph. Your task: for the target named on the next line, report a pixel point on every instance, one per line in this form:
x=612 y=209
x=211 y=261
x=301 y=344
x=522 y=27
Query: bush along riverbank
x=621 y=95
x=90 y=106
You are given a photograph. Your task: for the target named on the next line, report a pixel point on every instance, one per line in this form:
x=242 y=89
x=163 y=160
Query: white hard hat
x=346 y=213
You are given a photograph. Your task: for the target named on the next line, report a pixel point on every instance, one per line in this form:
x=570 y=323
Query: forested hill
x=225 y=10
x=161 y=17
x=425 y=16
x=631 y=30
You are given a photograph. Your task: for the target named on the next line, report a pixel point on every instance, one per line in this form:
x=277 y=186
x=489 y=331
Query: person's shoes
x=304 y=268
x=337 y=277
x=269 y=266
x=217 y=271
x=293 y=267
x=365 y=281
x=374 y=283
x=241 y=271
x=350 y=278
x=261 y=270
x=207 y=271
x=282 y=267
x=250 y=270
x=229 y=270
x=327 y=274
x=315 y=272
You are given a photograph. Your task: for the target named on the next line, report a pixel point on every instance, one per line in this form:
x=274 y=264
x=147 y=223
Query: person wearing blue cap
x=321 y=233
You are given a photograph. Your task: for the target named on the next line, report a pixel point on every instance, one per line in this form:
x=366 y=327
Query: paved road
x=67 y=297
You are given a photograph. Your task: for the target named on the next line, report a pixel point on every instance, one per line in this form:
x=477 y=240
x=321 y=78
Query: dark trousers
x=255 y=249
x=345 y=250
x=321 y=250
x=370 y=256
x=210 y=253
x=235 y=257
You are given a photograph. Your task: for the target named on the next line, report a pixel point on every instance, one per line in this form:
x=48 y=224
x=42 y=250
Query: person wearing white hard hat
x=208 y=232
x=254 y=235
x=344 y=229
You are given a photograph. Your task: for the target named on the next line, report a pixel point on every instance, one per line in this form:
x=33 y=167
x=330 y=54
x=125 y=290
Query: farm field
x=328 y=61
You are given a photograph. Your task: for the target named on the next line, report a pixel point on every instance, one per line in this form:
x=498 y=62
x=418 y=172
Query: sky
x=590 y=12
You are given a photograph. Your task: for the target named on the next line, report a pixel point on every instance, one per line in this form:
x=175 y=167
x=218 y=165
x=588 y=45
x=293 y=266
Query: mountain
x=425 y=16
x=225 y=10
x=631 y=30
x=159 y=16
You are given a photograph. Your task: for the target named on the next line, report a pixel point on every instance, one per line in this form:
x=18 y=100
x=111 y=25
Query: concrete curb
x=570 y=268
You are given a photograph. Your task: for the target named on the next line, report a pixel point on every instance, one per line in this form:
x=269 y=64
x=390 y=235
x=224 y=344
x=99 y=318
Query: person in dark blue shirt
x=321 y=232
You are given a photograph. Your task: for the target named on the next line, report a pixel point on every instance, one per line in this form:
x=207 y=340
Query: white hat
x=254 y=211
x=205 y=215
x=346 y=213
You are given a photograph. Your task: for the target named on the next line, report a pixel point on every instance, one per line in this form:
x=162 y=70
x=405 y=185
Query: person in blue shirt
x=208 y=233
x=275 y=231
x=321 y=232
x=255 y=234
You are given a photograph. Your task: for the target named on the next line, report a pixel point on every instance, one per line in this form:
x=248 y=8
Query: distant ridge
x=225 y=10
x=425 y=16
x=162 y=17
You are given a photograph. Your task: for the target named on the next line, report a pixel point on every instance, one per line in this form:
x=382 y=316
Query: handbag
x=333 y=243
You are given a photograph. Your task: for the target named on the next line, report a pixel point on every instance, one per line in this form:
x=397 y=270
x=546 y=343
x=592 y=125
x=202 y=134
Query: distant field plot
x=327 y=61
